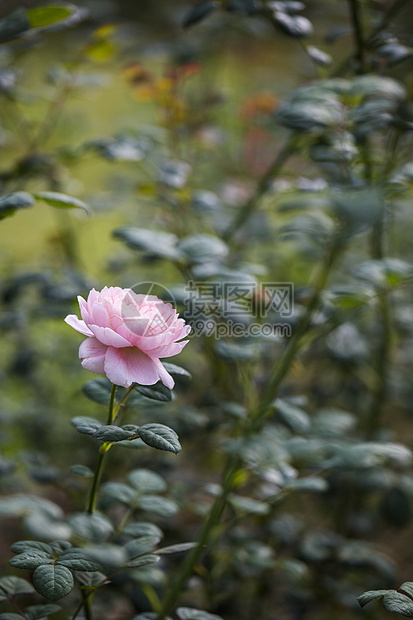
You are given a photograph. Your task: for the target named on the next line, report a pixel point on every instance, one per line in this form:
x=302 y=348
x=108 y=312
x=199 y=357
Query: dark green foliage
x=245 y=151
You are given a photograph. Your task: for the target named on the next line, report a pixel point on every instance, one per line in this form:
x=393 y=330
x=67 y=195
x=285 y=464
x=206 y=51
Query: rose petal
x=93 y=296
x=164 y=375
x=78 y=325
x=164 y=351
x=107 y=336
x=126 y=366
x=84 y=309
x=99 y=315
x=92 y=355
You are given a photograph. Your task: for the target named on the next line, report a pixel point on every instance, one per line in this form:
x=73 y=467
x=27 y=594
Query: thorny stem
x=387 y=17
x=234 y=462
x=17 y=608
x=87 y=603
x=211 y=523
x=249 y=207
x=295 y=342
x=356 y=17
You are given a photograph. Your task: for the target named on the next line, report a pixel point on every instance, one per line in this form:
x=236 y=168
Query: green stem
x=355 y=10
x=122 y=401
x=103 y=450
x=249 y=207
x=87 y=602
x=111 y=411
x=382 y=354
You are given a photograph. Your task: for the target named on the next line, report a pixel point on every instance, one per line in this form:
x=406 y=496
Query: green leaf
x=158 y=505
x=43 y=16
x=95 y=527
x=31 y=559
x=86 y=425
x=201 y=247
x=188 y=613
x=79 y=563
x=11 y=202
x=31 y=545
x=90 y=579
x=14 y=25
x=38 y=612
x=42 y=525
x=146 y=481
x=119 y=148
x=318 y=56
x=174 y=173
x=160 y=244
x=143 y=560
x=295 y=26
x=61 y=546
x=112 y=433
x=119 y=491
x=11 y=585
x=293 y=417
x=371 y=595
x=140 y=546
x=136 y=444
x=173 y=369
x=53 y=581
x=179 y=548
x=142 y=528
x=310 y=485
x=407 y=588
x=155 y=392
x=198 y=12
x=250 y=505
x=109 y=555
x=56 y=199
x=399 y=603
x=98 y=390
x=377 y=86
x=160 y=437
x=82 y=470
x=388 y=272
x=359 y=207
x=10 y=616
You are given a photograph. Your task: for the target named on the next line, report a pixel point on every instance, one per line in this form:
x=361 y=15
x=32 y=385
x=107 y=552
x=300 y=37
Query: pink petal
x=84 y=309
x=92 y=297
x=164 y=375
x=149 y=343
x=107 y=336
x=126 y=366
x=165 y=351
x=99 y=315
x=78 y=325
x=92 y=355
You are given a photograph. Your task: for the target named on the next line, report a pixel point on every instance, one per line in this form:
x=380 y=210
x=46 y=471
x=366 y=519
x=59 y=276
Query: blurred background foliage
x=255 y=130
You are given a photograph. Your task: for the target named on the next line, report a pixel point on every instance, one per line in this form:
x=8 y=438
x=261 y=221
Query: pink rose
x=127 y=334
